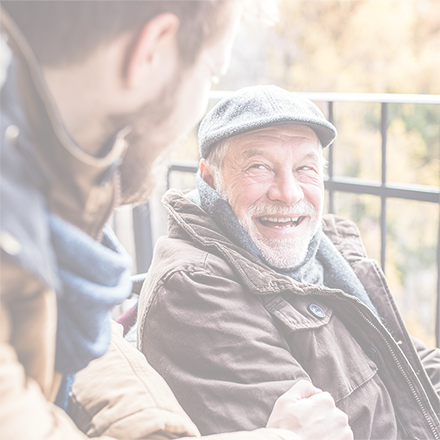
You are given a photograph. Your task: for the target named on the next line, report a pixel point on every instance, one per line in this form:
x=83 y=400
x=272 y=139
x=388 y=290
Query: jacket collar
x=81 y=189
x=186 y=218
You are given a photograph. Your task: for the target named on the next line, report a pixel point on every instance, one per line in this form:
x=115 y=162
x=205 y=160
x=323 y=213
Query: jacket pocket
x=299 y=313
x=322 y=345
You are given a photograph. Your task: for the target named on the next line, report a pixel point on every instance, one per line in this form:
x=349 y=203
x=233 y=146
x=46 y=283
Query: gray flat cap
x=257 y=107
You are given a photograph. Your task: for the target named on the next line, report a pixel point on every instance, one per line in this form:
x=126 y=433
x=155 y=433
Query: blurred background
x=347 y=47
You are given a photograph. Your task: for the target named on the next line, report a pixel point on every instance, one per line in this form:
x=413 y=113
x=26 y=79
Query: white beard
x=280 y=253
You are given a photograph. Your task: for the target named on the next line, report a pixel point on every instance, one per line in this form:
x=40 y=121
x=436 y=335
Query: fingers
x=303 y=389
x=329 y=421
x=283 y=410
x=310 y=413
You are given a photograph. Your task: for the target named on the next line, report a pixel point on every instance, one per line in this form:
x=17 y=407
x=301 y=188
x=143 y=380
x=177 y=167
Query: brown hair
x=65 y=32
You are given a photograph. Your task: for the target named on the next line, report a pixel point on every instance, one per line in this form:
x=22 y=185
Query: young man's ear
x=154 y=39
x=207 y=173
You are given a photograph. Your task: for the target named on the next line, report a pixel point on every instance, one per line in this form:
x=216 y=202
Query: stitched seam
x=162 y=428
x=358 y=386
x=139 y=375
x=302 y=326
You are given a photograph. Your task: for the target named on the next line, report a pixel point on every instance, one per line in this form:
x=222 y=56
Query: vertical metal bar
x=331 y=199
x=383 y=211
x=143 y=237
x=383 y=232
x=437 y=315
x=383 y=132
x=168 y=177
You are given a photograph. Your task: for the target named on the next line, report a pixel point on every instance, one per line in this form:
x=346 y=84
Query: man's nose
x=286 y=189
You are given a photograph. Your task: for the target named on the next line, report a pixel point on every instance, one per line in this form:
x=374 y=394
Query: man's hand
x=310 y=413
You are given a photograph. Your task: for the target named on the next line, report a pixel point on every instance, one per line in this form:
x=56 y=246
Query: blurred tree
x=387 y=46
x=357 y=46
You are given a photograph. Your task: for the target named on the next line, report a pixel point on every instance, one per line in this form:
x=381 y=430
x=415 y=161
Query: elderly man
x=254 y=289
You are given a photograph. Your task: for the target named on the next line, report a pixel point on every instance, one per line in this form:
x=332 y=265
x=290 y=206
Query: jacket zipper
x=399 y=365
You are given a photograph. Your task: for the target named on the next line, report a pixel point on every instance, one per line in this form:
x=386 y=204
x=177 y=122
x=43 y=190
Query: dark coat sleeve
x=430 y=358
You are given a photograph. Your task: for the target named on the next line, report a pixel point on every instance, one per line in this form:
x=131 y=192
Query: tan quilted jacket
x=118 y=395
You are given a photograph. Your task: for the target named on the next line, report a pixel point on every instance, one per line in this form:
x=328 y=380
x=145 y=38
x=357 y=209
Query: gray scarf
x=323 y=264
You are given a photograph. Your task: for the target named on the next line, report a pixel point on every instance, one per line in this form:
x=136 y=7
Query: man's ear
x=207 y=173
x=148 y=46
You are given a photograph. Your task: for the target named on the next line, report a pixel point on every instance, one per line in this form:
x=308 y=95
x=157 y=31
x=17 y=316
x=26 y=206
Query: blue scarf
x=323 y=264
x=93 y=278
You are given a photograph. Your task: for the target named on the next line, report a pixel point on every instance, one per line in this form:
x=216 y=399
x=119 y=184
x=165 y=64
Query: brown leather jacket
x=239 y=334
x=118 y=395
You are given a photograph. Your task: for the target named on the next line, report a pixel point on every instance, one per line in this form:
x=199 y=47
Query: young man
x=94 y=93
x=254 y=289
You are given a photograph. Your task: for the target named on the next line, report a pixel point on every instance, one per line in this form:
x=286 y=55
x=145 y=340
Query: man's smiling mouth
x=281 y=222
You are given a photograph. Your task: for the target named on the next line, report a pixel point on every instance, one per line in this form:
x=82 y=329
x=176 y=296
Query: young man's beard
x=144 y=166
x=150 y=142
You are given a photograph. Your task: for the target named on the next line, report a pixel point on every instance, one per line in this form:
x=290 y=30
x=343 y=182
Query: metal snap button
x=316 y=310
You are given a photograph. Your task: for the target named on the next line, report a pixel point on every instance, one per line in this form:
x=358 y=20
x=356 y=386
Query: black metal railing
x=383 y=188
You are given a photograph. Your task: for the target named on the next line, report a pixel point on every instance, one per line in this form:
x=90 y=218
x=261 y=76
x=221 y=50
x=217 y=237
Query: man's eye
x=259 y=166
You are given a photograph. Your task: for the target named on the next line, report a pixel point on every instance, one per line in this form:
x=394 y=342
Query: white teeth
x=279 y=219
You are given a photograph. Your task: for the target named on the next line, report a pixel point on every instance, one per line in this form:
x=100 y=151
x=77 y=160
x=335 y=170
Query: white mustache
x=266 y=209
